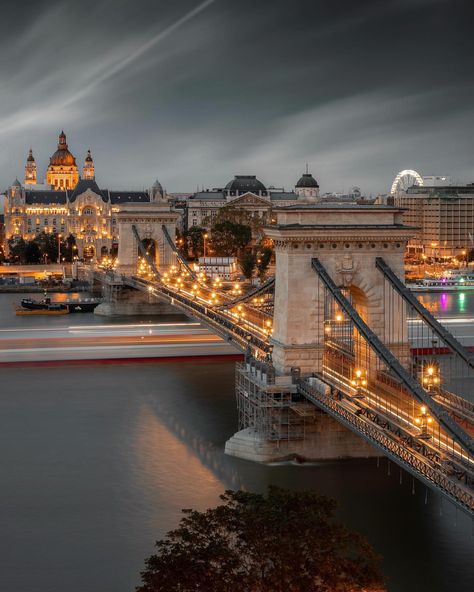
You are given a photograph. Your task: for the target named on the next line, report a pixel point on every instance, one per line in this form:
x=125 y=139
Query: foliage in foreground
x=286 y=541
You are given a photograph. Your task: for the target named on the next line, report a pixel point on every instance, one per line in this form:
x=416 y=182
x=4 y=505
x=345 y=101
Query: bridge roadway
x=245 y=331
x=110 y=342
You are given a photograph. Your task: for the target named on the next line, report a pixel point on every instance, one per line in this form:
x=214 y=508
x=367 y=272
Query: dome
x=88 y=157
x=244 y=183
x=30 y=157
x=307 y=180
x=62 y=156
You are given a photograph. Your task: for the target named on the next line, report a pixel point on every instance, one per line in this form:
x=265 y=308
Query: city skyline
x=196 y=92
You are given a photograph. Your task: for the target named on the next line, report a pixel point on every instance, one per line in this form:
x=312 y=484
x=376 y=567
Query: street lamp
x=59 y=248
x=359 y=381
x=422 y=421
x=430 y=377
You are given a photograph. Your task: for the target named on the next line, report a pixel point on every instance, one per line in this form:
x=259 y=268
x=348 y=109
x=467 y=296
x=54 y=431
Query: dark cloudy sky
x=193 y=93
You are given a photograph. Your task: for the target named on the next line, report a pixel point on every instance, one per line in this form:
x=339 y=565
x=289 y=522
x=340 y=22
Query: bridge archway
x=148 y=219
x=151 y=248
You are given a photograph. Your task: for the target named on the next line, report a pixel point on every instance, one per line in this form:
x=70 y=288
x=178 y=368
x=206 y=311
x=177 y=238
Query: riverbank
x=35 y=289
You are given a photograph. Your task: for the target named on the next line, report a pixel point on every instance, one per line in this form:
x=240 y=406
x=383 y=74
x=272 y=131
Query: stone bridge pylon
x=148 y=220
x=346 y=240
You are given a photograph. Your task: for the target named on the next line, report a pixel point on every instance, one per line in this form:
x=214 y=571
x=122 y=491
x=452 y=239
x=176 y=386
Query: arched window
x=87 y=211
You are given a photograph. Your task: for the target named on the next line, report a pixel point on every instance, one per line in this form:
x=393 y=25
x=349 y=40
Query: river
x=97 y=462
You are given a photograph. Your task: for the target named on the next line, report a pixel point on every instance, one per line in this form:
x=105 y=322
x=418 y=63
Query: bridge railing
x=415 y=463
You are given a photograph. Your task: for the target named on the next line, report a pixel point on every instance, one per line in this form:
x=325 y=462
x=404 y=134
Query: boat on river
x=452 y=281
x=80 y=305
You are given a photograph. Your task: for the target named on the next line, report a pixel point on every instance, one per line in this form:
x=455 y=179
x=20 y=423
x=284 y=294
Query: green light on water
x=462 y=301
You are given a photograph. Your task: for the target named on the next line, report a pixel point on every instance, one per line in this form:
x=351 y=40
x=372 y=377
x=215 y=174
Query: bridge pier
x=279 y=425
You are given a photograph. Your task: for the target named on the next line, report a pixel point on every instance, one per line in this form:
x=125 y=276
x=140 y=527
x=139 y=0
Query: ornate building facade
x=250 y=194
x=69 y=204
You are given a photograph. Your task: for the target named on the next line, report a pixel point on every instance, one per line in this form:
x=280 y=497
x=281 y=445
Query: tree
x=284 y=542
x=32 y=252
x=229 y=238
x=264 y=257
x=48 y=245
x=247 y=263
x=194 y=237
x=237 y=215
x=67 y=248
x=17 y=248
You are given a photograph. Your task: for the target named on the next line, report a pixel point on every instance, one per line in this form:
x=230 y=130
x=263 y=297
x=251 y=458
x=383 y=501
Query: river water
x=97 y=462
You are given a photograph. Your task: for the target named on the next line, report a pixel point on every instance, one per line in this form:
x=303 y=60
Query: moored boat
x=81 y=305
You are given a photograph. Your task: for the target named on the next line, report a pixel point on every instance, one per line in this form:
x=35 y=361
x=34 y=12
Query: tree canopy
x=229 y=238
x=283 y=542
x=44 y=247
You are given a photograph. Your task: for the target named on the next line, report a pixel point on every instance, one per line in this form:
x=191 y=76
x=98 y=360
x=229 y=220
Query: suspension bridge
x=346 y=337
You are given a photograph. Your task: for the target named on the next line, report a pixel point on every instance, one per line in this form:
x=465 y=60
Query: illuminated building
x=68 y=204
x=444 y=216
x=247 y=193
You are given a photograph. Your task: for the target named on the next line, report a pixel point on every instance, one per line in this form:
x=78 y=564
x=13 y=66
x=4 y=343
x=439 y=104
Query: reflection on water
x=448 y=304
x=97 y=463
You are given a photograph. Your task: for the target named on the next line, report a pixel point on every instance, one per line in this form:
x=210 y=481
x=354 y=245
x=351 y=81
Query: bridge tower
x=346 y=239
x=275 y=424
x=148 y=219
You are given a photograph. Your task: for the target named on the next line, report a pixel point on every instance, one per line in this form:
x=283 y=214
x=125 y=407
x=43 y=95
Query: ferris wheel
x=406 y=179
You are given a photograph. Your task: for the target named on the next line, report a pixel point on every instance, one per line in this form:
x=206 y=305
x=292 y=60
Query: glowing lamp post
x=423 y=420
x=431 y=379
x=359 y=382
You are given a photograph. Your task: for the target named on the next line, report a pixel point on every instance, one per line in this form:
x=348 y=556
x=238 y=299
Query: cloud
x=194 y=92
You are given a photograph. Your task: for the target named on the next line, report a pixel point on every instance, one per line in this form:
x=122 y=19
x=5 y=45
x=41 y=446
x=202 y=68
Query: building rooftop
x=119 y=197
x=45 y=197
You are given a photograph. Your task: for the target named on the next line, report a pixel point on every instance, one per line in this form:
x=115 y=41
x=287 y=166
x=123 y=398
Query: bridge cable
x=424 y=313
x=457 y=433
x=177 y=253
x=265 y=287
x=144 y=252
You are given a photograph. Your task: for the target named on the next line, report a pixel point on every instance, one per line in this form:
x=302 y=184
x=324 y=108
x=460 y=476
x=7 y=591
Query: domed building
x=245 y=192
x=307 y=187
x=242 y=184
x=69 y=205
x=62 y=171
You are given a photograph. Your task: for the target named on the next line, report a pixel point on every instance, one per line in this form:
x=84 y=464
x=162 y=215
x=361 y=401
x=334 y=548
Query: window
x=87 y=211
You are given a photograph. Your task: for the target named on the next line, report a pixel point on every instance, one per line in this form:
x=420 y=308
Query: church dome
x=307 y=180
x=88 y=157
x=243 y=183
x=30 y=157
x=62 y=156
